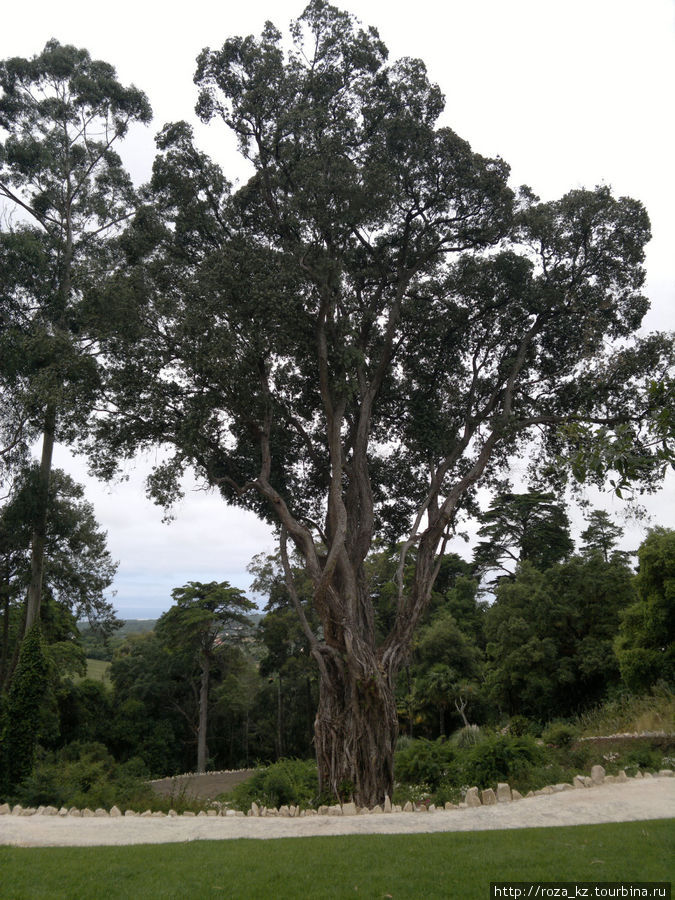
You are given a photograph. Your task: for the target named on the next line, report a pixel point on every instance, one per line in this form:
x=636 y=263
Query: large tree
x=197 y=624
x=366 y=331
x=61 y=116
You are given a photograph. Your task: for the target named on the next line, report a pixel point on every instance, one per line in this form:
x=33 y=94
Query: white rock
x=255 y=809
x=504 y=793
x=407 y=807
x=148 y=814
x=516 y=795
x=449 y=805
x=597 y=774
x=472 y=797
x=349 y=809
x=387 y=803
x=488 y=797
x=579 y=782
x=5 y=809
x=666 y=773
x=115 y=812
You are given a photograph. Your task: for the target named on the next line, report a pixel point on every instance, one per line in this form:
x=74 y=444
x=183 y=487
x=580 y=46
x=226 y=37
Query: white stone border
x=474 y=798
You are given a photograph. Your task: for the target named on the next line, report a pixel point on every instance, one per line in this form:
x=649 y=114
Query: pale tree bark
x=39 y=537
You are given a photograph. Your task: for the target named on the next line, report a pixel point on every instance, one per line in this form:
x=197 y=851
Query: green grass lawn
x=449 y=865
x=97 y=670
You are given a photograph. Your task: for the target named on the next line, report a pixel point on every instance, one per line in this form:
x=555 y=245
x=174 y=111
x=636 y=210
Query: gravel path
x=635 y=800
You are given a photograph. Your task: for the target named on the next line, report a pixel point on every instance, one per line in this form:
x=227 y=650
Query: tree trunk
x=39 y=538
x=355 y=735
x=203 y=715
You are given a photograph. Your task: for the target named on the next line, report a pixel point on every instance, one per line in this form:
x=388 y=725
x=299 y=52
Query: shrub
x=286 y=782
x=500 y=758
x=520 y=725
x=467 y=736
x=425 y=762
x=559 y=734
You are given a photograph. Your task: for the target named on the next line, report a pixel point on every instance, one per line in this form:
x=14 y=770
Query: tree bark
x=39 y=538
x=202 y=753
x=355 y=735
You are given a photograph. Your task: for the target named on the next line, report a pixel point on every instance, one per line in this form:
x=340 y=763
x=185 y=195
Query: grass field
x=451 y=865
x=97 y=669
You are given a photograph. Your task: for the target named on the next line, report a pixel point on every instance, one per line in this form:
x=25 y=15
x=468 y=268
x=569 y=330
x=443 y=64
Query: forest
x=353 y=345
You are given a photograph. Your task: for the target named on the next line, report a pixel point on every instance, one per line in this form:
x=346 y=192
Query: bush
x=425 y=762
x=289 y=782
x=560 y=734
x=520 y=725
x=468 y=736
x=500 y=758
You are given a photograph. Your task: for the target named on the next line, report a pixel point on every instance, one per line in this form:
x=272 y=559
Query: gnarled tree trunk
x=355 y=734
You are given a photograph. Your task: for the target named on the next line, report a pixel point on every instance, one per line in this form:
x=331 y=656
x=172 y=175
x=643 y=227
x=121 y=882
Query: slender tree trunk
x=280 y=738
x=355 y=735
x=39 y=538
x=202 y=752
x=4 y=650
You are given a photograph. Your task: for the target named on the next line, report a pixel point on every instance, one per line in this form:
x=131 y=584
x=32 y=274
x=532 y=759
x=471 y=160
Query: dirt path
x=635 y=800
x=203 y=787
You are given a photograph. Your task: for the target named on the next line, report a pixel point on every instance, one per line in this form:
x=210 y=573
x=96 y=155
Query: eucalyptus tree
x=65 y=191
x=370 y=328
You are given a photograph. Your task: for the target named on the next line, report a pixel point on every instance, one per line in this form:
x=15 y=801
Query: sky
x=571 y=94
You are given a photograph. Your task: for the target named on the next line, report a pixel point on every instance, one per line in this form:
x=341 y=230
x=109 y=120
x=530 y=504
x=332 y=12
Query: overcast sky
x=571 y=94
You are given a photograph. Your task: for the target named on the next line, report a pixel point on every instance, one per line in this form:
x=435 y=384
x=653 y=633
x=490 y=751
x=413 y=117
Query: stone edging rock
x=473 y=798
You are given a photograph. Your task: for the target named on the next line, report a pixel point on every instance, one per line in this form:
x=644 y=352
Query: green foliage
x=645 y=646
x=425 y=762
x=531 y=527
x=286 y=782
x=85 y=775
x=501 y=758
x=467 y=737
x=22 y=713
x=520 y=725
x=550 y=636
x=559 y=734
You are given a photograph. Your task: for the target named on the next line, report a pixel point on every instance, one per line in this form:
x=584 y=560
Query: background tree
x=531 y=527
x=202 y=621
x=78 y=570
x=362 y=334
x=645 y=645
x=602 y=535
x=550 y=636
x=62 y=113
